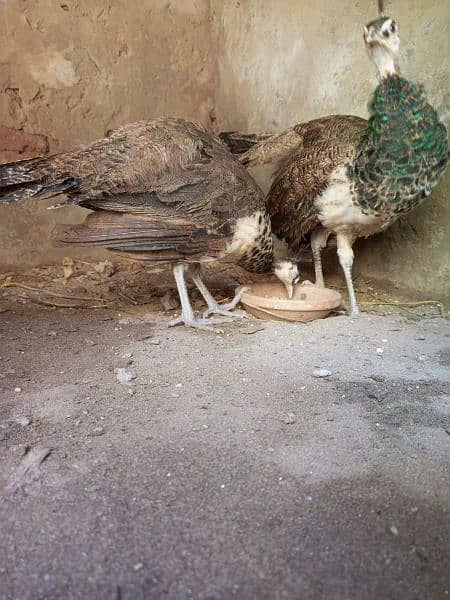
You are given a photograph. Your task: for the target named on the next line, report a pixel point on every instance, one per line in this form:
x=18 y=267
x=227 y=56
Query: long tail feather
x=29 y=179
x=274 y=149
x=238 y=143
x=20 y=171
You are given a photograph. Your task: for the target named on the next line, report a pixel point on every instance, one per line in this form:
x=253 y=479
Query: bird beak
x=289 y=289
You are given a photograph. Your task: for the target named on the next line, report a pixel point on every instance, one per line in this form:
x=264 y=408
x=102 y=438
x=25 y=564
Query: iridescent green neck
x=404 y=149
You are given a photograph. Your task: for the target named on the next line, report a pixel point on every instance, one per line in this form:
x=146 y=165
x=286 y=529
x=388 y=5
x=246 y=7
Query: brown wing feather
x=166 y=164
x=326 y=143
x=158 y=237
x=166 y=189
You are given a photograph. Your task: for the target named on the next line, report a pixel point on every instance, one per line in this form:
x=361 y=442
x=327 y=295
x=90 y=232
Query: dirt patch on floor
x=224 y=468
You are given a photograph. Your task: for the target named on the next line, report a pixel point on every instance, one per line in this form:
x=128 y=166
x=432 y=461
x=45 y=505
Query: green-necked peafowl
x=347 y=176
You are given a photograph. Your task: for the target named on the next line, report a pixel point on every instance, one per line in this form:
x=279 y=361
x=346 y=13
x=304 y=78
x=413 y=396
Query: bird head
x=382 y=44
x=287 y=273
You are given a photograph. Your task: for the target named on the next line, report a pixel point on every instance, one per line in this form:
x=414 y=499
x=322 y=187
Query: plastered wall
x=70 y=70
x=281 y=62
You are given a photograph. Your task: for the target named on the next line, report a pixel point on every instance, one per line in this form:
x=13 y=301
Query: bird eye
x=392 y=27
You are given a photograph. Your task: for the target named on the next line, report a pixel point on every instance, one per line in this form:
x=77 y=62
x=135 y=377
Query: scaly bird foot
x=228 y=309
x=196 y=323
x=224 y=312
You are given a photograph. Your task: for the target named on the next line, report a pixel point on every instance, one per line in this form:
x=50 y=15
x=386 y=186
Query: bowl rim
x=333 y=300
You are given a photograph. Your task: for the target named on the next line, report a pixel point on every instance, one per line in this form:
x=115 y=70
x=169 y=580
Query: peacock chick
x=350 y=177
x=161 y=191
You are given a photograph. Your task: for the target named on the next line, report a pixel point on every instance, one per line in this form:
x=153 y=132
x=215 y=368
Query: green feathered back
x=403 y=151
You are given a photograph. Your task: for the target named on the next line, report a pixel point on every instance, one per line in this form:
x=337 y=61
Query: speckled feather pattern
x=391 y=162
x=326 y=143
x=403 y=151
x=165 y=189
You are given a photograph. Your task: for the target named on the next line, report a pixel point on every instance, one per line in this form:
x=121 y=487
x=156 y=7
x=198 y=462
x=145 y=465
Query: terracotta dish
x=269 y=301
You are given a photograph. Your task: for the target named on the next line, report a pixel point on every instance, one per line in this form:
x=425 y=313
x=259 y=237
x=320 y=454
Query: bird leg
x=346 y=256
x=187 y=314
x=319 y=238
x=225 y=310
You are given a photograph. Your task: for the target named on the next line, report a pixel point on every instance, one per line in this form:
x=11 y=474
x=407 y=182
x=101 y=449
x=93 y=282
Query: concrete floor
x=225 y=469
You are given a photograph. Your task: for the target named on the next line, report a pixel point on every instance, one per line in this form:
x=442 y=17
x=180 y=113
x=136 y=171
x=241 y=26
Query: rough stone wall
x=70 y=70
x=285 y=61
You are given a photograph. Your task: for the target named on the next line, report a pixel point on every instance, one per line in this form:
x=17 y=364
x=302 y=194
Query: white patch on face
x=383 y=46
x=336 y=209
x=393 y=40
x=246 y=231
x=286 y=271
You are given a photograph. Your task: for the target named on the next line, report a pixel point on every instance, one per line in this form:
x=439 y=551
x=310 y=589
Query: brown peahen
x=350 y=177
x=163 y=191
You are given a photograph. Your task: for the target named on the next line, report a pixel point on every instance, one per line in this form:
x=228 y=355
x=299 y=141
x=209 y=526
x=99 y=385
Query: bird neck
x=404 y=148
x=260 y=262
x=385 y=62
x=253 y=241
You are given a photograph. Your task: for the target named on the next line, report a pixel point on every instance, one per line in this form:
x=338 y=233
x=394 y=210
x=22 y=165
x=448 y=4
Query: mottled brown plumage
x=164 y=168
x=323 y=144
x=350 y=177
x=164 y=190
x=239 y=143
x=276 y=149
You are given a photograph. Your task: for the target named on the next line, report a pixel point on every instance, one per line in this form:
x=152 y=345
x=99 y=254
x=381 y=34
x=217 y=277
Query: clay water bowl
x=270 y=301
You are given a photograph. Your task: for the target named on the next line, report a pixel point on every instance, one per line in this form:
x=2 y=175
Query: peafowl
x=162 y=191
x=351 y=177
